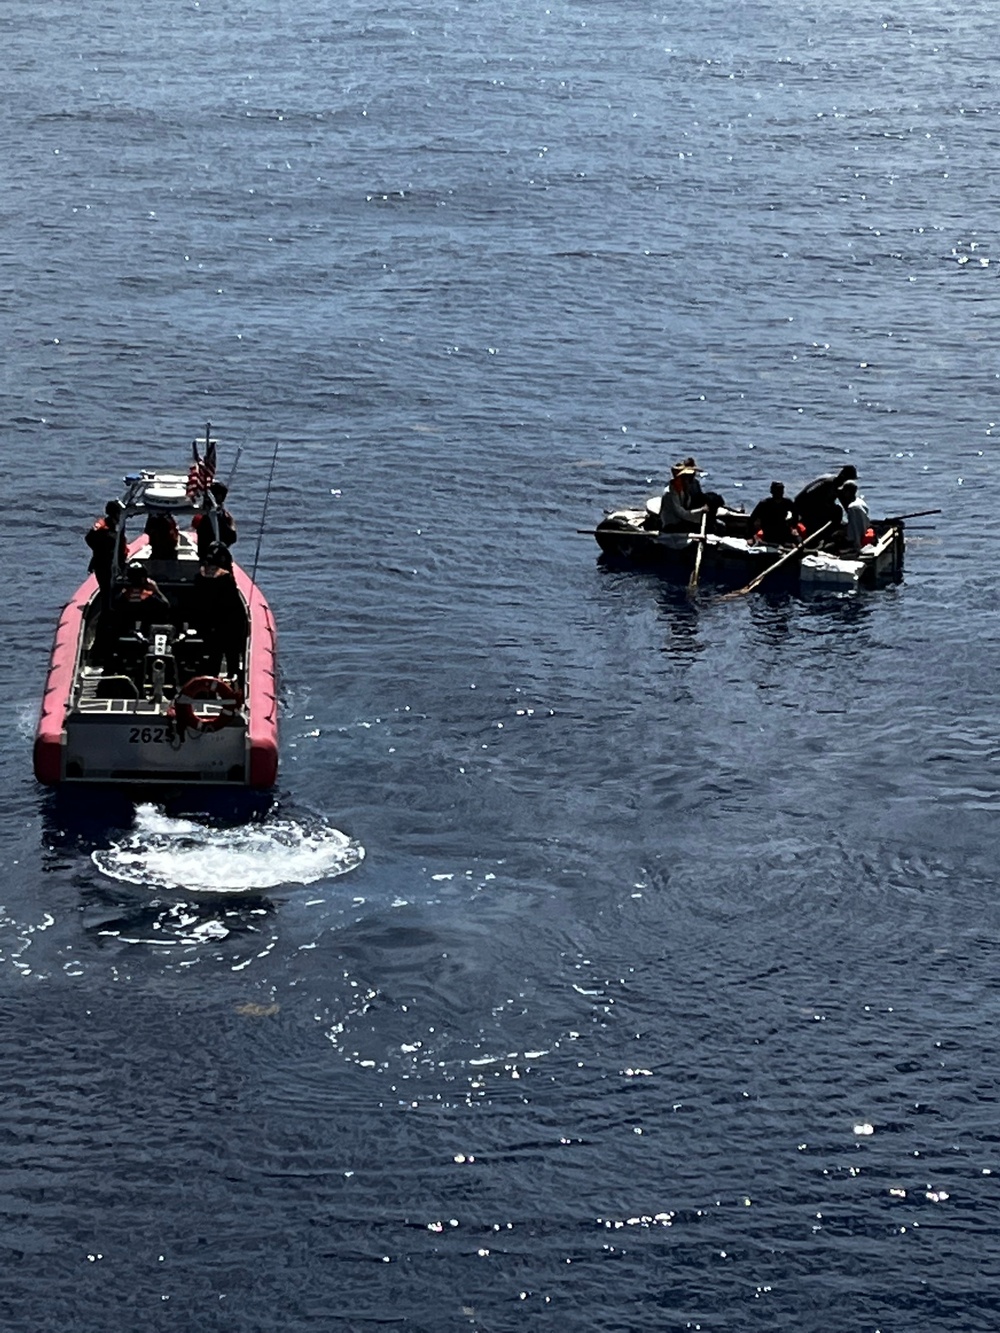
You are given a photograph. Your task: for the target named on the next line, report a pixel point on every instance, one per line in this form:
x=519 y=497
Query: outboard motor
x=160 y=665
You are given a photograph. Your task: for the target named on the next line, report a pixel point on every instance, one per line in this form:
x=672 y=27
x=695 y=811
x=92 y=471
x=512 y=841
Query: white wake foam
x=166 y=853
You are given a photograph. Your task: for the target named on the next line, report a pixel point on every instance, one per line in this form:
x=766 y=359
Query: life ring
x=206 y=687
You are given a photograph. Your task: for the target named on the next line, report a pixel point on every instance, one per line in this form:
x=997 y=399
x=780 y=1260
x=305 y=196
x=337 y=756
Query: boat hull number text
x=150 y=735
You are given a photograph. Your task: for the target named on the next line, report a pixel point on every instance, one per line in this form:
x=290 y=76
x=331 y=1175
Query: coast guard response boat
x=153 y=687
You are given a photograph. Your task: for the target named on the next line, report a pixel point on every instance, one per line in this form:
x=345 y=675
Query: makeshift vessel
x=152 y=700
x=730 y=555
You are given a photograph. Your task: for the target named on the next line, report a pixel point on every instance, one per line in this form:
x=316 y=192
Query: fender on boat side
x=50 y=734
x=261 y=686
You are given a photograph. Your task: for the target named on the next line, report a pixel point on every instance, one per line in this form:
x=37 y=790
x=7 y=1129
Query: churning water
x=195 y=857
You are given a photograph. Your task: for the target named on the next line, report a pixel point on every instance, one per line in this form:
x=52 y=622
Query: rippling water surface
x=608 y=958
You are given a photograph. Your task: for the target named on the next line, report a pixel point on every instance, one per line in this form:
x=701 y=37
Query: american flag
x=201 y=473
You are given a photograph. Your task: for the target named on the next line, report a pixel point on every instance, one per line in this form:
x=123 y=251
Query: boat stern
x=144 y=745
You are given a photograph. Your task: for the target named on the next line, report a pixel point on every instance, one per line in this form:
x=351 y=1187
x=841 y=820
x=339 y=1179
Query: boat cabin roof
x=159 y=491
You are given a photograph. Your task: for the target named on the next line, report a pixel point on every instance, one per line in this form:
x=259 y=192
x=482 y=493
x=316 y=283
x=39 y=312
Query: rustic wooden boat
x=729 y=555
x=149 y=702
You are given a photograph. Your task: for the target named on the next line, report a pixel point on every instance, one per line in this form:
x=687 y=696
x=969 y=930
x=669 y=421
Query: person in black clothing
x=103 y=538
x=816 y=503
x=218 y=611
x=204 y=528
x=161 y=529
x=771 y=520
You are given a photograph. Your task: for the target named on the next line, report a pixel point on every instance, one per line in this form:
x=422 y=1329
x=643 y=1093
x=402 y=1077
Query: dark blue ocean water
x=619 y=960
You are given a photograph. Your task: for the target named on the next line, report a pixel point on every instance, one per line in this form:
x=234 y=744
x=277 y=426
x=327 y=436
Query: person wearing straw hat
x=678 y=513
x=699 y=496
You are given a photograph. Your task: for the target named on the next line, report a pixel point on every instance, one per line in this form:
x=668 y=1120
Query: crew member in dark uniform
x=103 y=538
x=218 y=611
x=224 y=522
x=161 y=529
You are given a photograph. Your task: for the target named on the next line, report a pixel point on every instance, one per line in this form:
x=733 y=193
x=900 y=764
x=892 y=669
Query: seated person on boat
x=137 y=606
x=683 y=504
x=161 y=529
x=712 y=499
x=140 y=598
x=772 y=519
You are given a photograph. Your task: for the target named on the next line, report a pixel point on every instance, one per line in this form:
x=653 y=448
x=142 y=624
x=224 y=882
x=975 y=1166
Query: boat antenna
x=263 y=517
x=232 y=470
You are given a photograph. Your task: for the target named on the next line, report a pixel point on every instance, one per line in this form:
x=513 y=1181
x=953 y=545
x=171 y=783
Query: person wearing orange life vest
x=140 y=599
x=105 y=539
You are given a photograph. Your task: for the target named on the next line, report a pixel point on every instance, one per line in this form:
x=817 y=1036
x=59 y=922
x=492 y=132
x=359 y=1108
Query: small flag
x=201 y=473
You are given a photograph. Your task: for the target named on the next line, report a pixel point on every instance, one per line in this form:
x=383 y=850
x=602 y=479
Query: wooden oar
x=789 y=555
x=693 y=580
